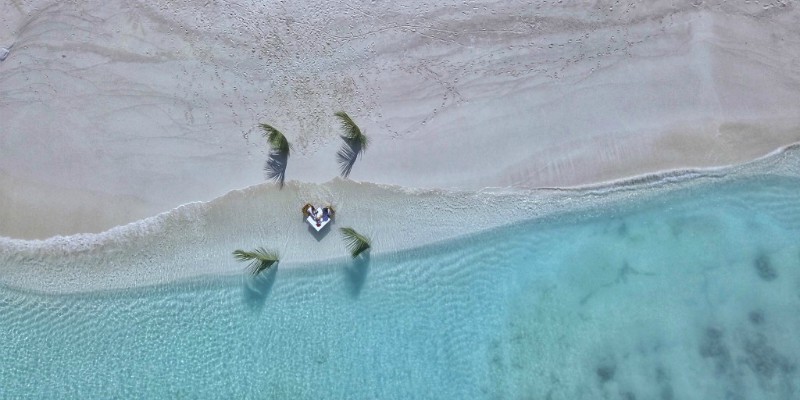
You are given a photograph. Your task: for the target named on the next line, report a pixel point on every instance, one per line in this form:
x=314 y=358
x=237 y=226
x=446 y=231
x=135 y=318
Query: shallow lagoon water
x=693 y=295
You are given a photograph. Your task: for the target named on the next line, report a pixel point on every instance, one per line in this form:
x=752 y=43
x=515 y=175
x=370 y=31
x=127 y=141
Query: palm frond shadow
x=258 y=287
x=275 y=167
x=356 y=274
x=347 y=155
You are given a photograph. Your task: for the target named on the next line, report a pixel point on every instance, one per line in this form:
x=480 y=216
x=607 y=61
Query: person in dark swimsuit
x=325 y=214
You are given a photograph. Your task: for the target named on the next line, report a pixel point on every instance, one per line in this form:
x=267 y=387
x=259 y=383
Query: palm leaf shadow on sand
x=356 y=274
x=355 y=142
x=278 y=155
x=257 y=288
x=347 y=155
x=275 y=167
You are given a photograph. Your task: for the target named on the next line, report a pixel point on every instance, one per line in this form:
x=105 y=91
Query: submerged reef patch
x=764 y=268
x=713 y=346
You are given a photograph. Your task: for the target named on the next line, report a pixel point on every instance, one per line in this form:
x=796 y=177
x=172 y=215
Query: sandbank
x=115 y=113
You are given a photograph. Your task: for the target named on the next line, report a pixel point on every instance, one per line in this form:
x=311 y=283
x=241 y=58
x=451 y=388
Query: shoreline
x=196 y=240
x=148 y=116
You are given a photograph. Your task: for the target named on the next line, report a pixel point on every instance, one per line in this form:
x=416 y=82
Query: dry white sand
x=114 y=111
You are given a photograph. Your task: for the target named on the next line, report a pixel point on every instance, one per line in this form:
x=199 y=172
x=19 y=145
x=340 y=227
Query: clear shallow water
x=692 y=296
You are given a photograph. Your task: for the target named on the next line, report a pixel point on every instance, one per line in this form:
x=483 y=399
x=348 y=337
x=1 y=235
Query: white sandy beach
x=114 y=111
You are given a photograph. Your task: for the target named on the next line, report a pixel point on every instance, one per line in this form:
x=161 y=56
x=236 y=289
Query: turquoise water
x=694 y=295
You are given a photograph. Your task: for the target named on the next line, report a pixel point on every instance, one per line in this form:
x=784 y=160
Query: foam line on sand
x=197 y=239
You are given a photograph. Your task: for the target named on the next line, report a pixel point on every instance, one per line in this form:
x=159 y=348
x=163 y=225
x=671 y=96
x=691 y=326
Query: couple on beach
x=319 y=215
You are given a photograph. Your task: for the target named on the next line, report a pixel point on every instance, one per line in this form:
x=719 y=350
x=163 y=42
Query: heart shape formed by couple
x=318 y=217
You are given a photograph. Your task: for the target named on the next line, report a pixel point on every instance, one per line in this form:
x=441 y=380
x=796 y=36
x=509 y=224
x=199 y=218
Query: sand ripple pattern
x=113 y=111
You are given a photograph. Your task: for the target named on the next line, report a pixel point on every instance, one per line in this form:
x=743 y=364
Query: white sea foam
x=197 y=239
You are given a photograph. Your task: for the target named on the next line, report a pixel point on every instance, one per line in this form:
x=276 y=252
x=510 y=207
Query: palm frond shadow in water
x=275 y=167
x=347 y=155
x=257 y=288
x=356 y=274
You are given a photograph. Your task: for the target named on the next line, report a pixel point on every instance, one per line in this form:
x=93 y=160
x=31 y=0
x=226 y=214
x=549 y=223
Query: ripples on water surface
x=692 y=296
